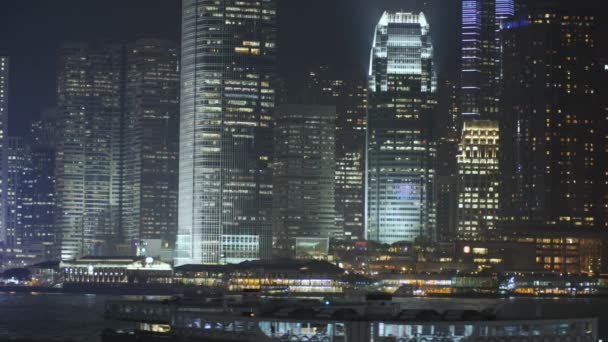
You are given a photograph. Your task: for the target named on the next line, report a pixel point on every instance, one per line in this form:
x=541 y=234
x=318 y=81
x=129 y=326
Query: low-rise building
x=94 y=270
x=289 y=276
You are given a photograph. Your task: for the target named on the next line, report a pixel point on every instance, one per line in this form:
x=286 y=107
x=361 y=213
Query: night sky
x=311 y=32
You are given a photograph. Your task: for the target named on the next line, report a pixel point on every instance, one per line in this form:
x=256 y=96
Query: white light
x=149 y=260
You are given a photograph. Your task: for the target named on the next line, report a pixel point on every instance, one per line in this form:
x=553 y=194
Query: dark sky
x=311 y=32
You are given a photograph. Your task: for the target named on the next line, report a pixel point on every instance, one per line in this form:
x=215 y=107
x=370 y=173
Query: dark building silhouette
x=555 y=117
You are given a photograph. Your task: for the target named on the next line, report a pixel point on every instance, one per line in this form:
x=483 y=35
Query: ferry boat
x=327 y=320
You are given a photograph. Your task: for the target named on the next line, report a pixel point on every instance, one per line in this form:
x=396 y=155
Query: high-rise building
x=478 y=71
x=89 y=104
x=554 y=116
x=481 y=73
x=151 y=142
x=478 y=179
x=481 y=56
x=304 y=174
x=348 y=93
x=39 y=186
x=19 y=169
x=4 y=74
x=227 y=102
x=400 y=150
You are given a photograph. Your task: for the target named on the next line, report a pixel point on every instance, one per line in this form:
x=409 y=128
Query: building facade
x=227 y=101
x=349 y=95
x=481 y=74
x=89 y=104
x=555 y=117
x=478 y=179
x=400 y=152
x=304 y=174
x=4 y=79
x=482 y=56
x=19 y=171
x=39 y=218
x=151 y=142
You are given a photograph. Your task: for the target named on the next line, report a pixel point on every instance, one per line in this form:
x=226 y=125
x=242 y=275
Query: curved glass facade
x=400 y=153
x=227 y=101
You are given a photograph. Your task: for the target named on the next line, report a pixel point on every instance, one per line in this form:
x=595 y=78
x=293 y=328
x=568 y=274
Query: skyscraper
x=304 y=174
x=227 y=102
x=400 y=152
x=39 y=187
x=481 y=56
x=478 y=179
x=151 y=139
x=348 y=93
x=19 y=169
x=481 y=73
x=4 y=74
x=88 y=151
x=553 y=108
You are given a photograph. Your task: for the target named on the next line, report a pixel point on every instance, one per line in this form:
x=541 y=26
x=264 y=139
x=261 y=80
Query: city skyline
x=304 y=170
x=176 y=149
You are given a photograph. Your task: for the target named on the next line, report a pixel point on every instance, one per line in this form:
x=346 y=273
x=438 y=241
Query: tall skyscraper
x=39 y=187
x=304 y=174
x=555 y=117
x=19 y=169
x=478 y=179
x=349 y=95
x=481 y=71
x=227 y=102
x=151 y=142
x=89 y=103
x=400 y=152
x=4 y=74
x=478 y=81
x=481 y=56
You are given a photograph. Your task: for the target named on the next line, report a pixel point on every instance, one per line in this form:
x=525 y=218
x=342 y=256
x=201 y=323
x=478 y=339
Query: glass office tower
x=227 y=101
x=481 y=74
x=89 y=105
x=151 y=142
x=478 y=89
x=400 y=153
x=478 y=179
x=304 y=174
x=349 y=94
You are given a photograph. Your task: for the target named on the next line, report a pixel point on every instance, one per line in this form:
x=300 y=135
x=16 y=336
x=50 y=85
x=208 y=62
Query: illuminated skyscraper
x=481 y=73
x=4 y=73
x=39 y=188
x=553 y=105
x=478 y=81
x=151 y=142
x=478 y=179
x=19 y=169
x=304 y=173
x=88 y=149
x=349 y=95
x=481 y=56
x=227 y=101
x=400 y=152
